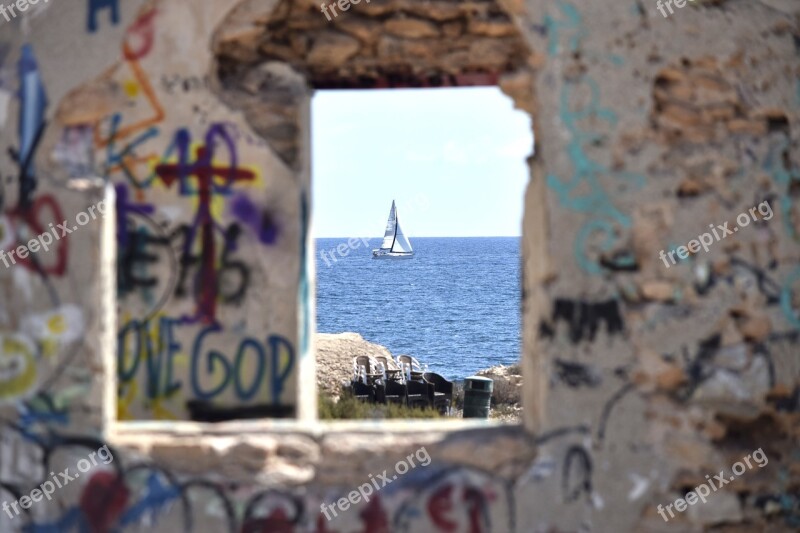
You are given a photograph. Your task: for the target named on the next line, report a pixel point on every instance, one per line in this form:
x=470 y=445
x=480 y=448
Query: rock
x=378 y=8
x=721 y=507
x=335 y=353
x=661 y=291
x=507 y=387
x=730 y=335
x=501 y=27
x=515 y=7
x=189 y=456
x=721 y=267
x=734 y=388
x=675 y=91
x=735 y=357
x=656 y=373
x=718 y=112
x=452 y=29
x=277 y=51
x=771 y=113
x=691 y=187
x=90 y=103
x=713 y=83
x=411 y=28
x=679 y=116
x=748 y=127
x=669 y=75
x=455 y=62
x=239 y=43
x=332 y=49
x=488 y=53
x=438 y=11
x=298 y=449
x=756 y=328
x=306 y=24
x=365 y=30
x=299 y=43
x=394 y=50
x=671 y=378
x=519 y=86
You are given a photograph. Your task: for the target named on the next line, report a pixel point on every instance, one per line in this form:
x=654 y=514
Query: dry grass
x=505 y=393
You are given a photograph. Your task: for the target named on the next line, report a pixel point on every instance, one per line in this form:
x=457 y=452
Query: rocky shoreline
x=335 y=352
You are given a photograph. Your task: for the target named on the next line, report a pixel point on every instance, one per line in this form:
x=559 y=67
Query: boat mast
x=396 y=223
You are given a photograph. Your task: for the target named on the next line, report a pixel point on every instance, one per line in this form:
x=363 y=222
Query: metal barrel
x=477 y=396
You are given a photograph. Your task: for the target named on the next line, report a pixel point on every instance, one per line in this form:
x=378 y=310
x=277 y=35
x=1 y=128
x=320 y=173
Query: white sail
x=388 y=236
x=395 y=244
x=401 y=243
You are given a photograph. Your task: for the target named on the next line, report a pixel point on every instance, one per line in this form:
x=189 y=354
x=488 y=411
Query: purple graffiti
x=261 y=222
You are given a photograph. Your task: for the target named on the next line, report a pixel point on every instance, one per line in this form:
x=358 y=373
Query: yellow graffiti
x=129 y=393
x=17 y=369
x=56 y=329
x=131 y=88
x=124 y=402
x=56 y=325
x=160 y=412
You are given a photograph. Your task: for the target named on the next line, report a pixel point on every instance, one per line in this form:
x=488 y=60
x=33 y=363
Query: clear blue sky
x=453 y=159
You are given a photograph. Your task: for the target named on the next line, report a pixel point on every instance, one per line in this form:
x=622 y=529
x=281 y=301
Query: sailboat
x=395 y=244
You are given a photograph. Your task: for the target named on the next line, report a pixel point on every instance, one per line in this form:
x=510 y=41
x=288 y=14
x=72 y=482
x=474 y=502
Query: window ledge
x=290 y=452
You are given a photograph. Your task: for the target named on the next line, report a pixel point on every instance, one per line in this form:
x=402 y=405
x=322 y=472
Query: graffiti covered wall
x=208 y=235
x=646 y=378
x=665 y=133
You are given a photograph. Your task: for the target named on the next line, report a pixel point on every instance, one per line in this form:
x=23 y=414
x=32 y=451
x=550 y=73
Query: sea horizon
x=455 y=306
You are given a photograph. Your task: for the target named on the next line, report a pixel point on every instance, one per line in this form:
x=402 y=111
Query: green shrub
x=350 y=408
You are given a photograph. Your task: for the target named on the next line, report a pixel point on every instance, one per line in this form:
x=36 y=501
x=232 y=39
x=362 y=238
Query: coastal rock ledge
x=335 y=352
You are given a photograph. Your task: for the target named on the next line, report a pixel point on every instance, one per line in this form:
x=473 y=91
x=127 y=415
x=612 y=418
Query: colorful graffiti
x=184 y=225
x=246 y=371
x=140 y=36
x=38 y=218
x=789 y=303
x=123 y=496
x=786 y=179
x=42 y=338
x=189 y=233
x=17 y=367
x=584 y=192
x=122 y=138
x=211 y=274
x=43 y=342
x=256 y=371
x=199 y=259
x=98 y=5
x=203 y=170
x=128 y=494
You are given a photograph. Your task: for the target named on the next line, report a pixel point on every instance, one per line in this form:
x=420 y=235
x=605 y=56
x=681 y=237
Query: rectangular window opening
x=417 y=209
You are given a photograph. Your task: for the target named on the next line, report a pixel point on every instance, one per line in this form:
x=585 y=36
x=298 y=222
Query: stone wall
x=641 y=377
x=653 y=130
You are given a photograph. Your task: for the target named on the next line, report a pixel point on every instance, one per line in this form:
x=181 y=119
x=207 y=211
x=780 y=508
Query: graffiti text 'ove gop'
x=246 y=369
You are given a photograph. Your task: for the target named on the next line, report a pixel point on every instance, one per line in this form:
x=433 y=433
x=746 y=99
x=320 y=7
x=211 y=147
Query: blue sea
x=454 y=306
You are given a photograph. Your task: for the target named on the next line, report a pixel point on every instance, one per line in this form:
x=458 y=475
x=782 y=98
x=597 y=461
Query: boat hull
x=377 y=254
